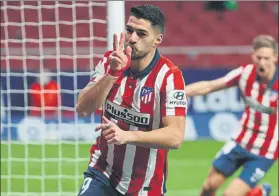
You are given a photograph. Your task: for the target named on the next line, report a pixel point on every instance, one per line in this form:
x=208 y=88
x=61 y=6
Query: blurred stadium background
x=45 y=145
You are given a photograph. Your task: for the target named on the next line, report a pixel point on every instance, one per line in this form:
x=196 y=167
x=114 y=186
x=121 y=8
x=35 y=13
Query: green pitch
x=63 y=165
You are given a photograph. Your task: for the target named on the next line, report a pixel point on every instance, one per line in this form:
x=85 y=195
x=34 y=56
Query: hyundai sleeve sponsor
x=176 y=98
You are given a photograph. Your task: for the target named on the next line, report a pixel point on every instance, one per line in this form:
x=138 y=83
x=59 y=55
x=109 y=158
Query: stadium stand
x=188 y=25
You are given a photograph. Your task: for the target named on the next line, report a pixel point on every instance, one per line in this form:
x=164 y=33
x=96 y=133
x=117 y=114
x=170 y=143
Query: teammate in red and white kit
x=255 y=144
x=144 y=108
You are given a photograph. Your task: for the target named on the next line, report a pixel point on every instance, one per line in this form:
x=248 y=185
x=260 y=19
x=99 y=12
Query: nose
x=134 y=38
x=262 y=62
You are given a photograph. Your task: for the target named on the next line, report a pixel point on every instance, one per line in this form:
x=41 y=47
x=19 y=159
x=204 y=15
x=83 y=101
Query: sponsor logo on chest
x=127 y=115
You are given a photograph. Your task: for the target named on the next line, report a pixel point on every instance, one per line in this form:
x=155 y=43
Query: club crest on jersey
x=146 y=94
x=273 y=95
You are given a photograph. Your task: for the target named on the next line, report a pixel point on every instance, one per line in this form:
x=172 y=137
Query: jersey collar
x=147 y=70
x=274 y=79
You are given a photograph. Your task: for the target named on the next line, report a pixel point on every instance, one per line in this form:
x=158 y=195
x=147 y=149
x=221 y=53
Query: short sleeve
x=232 y=78
x=100 y=68
x=173 y=96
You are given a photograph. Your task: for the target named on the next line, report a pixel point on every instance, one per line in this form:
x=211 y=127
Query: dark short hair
x=151 y=13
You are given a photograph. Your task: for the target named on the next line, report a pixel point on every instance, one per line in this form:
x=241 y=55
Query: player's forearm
x=165 y=137
x=93 y=97
x=198 y=88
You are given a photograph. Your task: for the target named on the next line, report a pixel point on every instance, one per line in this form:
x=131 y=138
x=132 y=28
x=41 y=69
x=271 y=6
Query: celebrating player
x=144 y=106
x=255 y=145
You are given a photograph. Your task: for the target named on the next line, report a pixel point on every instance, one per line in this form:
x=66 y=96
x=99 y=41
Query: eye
x=129 y=30
x=141 y=34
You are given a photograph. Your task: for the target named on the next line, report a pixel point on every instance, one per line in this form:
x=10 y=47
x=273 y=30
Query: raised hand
x=120 y=58
x=112 y=133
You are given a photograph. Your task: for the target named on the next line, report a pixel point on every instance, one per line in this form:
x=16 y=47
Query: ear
x=158 y=40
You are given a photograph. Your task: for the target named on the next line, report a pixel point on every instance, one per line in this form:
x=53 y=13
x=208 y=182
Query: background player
x=144 y=111
x=44 y=96
x=255 y=145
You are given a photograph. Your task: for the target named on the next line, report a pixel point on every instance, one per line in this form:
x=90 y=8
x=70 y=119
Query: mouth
x=262 y=70
x=133 y=49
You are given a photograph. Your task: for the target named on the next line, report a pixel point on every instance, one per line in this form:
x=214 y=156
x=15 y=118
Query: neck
x=139 y=65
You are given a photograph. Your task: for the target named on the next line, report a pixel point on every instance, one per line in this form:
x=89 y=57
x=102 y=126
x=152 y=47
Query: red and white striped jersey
x=138 y=102
x=259 y=123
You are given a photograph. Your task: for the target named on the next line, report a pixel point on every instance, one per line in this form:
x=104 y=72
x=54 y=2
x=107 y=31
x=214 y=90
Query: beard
x=136 y=55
